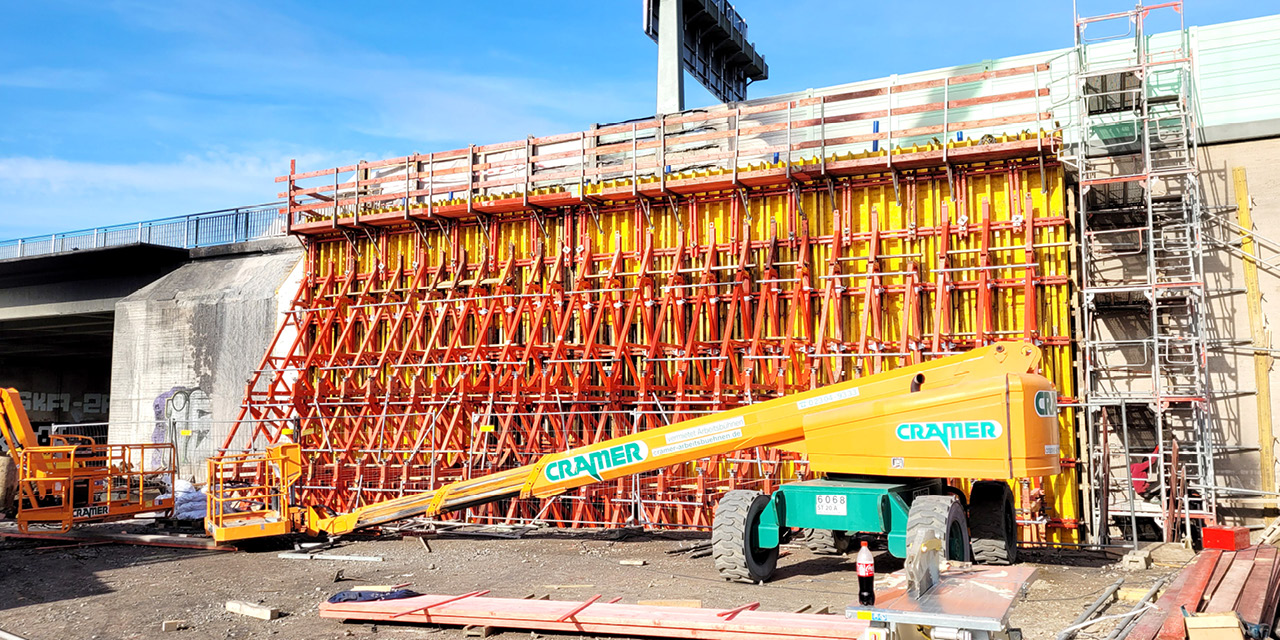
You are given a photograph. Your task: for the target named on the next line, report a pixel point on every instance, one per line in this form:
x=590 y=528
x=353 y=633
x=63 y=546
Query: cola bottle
x=866 y=576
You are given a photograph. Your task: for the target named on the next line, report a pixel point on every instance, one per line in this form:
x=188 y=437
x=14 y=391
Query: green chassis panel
x=855 y=504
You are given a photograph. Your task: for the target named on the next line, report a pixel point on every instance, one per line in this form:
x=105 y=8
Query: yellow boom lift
x=885 y=445
x=74 y=480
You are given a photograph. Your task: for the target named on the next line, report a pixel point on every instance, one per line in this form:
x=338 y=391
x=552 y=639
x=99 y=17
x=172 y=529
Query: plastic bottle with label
x=866 y=564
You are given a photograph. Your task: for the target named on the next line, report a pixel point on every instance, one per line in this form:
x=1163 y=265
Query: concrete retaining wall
x=185 y=345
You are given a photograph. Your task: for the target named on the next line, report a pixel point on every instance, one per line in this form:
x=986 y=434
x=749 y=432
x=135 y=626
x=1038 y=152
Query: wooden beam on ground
x=1228 y=592
x=1219 y=571
x=1173 y=627
x=1273 y=600
x=1189 y=584
x=1262 y=359
x=252 y=610
x=601 y=618
x=144 y=540
x=1253 y=597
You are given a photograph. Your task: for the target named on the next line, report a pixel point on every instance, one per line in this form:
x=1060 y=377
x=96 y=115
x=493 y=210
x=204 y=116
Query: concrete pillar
x=670 y=56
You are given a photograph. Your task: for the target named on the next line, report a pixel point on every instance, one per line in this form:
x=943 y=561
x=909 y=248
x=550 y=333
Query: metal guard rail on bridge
x=211 y=228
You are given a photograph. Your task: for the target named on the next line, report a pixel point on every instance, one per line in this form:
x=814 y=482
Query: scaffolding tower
x=1146 y=397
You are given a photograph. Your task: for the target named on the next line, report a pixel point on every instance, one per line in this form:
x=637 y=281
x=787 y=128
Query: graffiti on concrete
x=80 y=408
x=184 y=417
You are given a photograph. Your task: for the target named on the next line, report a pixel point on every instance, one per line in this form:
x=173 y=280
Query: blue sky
x=113 y=112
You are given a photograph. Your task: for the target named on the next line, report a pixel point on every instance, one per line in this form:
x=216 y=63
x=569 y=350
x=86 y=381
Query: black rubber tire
x=827 y=542
x=944 y=515
x=733 y=538
x=992 y=523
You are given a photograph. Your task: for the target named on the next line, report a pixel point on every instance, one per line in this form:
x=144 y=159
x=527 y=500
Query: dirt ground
x=112 y=592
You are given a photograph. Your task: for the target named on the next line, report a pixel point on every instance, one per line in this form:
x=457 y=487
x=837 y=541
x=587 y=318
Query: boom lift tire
x=944 y=515
x=827 y=542
x=733 y=538
x=993 y=526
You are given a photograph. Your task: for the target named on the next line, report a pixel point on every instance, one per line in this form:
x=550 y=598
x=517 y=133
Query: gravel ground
x=114 y=592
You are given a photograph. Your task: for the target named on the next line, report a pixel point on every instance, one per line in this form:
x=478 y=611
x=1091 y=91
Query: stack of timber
x=473 y=610
x=1246 y=582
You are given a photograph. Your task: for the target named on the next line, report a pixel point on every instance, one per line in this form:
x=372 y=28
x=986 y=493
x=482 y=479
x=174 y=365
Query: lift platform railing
x=249 y=492
x=71 y=482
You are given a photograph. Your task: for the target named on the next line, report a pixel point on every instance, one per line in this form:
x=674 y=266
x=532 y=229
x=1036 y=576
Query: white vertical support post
x=662 y=154
x=431 y=184
x=582 y=167
x=670 y=56
x=635 y=188
x=737 y=142
x=946 y=121
x=888 y=122
x=471 y=169
x=787 y=160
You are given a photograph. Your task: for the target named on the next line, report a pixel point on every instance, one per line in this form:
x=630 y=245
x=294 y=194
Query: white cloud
x=238 y=74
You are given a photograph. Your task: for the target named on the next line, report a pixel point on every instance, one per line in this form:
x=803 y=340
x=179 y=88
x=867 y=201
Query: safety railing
x=872 y=128
x=249 y=491
x=75 y=481
x=210 y=228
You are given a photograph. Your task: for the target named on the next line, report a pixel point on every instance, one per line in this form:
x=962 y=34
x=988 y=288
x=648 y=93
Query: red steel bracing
x=411 y=358
x=466 y=311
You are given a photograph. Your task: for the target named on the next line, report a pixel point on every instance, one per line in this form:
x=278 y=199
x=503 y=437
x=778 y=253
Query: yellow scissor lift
x=74 y=480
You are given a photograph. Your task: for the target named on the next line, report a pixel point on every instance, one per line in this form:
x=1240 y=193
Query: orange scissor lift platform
x=75 y=480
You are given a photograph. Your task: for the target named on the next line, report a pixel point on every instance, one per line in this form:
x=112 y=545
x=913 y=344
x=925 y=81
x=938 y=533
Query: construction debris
x=1136 y=560
x=292 y=555
x=253 y=610
x=691 y=604
x=1245 y=582
x=1083 y=619
x=172 y=625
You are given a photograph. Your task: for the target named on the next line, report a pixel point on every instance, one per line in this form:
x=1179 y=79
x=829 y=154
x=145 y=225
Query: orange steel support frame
x=452 y=335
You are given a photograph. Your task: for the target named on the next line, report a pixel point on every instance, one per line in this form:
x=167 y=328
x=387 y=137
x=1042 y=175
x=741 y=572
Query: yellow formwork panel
x=800 y=324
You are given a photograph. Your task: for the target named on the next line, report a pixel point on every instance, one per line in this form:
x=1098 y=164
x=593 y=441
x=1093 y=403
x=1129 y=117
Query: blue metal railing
x=225 y=226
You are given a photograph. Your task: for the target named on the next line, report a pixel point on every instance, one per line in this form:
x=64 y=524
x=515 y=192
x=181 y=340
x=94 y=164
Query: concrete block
x=1138 y=560
x=172 y=625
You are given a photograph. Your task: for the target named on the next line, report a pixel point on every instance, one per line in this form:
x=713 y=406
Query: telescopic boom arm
x=981 y=414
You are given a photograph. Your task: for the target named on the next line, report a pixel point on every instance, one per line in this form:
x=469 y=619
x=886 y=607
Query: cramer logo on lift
x=594 y=462
x=89 y=512
x=1046 y=404
x=947 y=432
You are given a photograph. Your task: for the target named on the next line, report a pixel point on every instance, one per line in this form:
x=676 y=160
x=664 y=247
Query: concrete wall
x=1231 y=367
x=185 y=346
